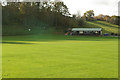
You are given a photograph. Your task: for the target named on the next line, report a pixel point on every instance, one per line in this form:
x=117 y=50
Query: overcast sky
x=106 y=7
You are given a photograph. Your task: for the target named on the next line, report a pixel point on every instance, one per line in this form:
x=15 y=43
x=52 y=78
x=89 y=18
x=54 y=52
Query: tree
x=89 y=15
x=114 y=20
x=10 y=15
x=100 y=17
x=107 y=18
x=78 y=14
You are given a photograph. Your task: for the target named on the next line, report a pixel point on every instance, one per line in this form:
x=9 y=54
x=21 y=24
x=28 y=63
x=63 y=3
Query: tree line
x=89 y=16
x=32 y=14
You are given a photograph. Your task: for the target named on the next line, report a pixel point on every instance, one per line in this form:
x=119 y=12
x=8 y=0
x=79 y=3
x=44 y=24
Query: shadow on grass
x=15 y=43
x=49 y=38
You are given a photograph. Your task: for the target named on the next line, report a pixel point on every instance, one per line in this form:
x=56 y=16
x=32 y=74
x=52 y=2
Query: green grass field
x=58 y=56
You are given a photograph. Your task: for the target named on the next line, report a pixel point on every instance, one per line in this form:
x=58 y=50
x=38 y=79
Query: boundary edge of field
x=0 y=41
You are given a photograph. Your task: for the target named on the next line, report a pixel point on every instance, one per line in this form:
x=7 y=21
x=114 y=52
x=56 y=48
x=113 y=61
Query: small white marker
x=29 y=29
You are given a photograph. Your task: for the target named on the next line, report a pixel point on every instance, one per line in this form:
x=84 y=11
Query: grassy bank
x=107 y=27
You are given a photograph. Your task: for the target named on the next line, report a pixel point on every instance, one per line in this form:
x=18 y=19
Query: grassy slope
x=57 y=56
x=107 y=27
x=107 y=24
